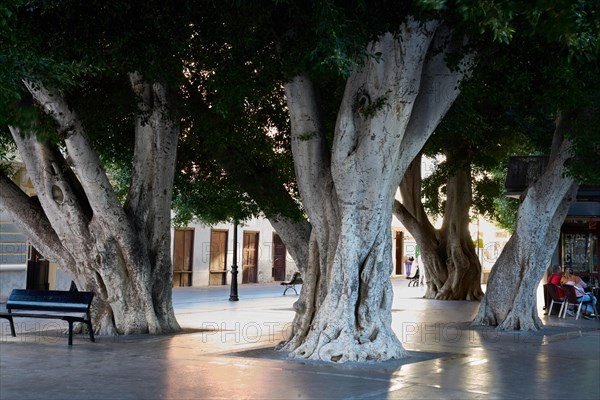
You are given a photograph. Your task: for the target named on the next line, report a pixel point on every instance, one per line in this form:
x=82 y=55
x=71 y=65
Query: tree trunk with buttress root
x=510 y=299
x=119 y=252
x=388 y=111
x=452 y=269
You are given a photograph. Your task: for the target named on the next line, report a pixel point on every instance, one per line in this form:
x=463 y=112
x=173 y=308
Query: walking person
x=408 y=265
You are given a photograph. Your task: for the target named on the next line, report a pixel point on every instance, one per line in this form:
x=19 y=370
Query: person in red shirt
x=553 y=279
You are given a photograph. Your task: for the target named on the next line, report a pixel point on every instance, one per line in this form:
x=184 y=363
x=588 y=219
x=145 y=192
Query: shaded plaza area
x=226 y=351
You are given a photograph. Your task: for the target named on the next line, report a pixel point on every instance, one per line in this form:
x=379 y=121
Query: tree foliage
x=509 y=105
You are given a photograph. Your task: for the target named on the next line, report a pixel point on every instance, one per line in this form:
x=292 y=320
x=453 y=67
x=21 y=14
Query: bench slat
x=49 y=306
x=56 y=296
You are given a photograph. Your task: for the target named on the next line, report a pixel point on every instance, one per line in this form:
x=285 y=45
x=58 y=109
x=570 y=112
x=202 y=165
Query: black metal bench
x=70 y=306
x=296 y=280
x=415 y=279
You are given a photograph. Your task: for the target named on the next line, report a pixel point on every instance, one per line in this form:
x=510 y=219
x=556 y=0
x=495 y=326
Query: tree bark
x=450 y=262
x=510 y=299
x=122 y=253
x=344 y=309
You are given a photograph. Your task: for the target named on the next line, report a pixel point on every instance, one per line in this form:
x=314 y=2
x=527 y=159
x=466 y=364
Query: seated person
x=554 y=279
x=570 y=279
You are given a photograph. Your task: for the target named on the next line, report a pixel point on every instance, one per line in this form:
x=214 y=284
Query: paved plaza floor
x=225 y=351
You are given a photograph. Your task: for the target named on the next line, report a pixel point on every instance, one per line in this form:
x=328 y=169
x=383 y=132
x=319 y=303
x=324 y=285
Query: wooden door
x=250 y=258
x=37 y=271
x=218 y=257
x=279 y=253
x=399 y=252
x=183 y=254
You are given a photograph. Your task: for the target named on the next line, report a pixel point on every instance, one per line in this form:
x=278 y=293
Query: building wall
x=11 y=279
x=13 y=262
x=202 y=251
x=13 y=258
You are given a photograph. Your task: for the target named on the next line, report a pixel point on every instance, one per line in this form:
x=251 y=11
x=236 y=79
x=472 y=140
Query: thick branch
x=458 y=200
x=156 y=136
x=439 y=88
x=150 y=193
x=410 y=191
x=547 y=193
x=54 y=185
x=411 y=223
x=553 y=234
x=379 y=97
x=405 y=216
x=411 y=212
x=311 y=154
x=85 y=160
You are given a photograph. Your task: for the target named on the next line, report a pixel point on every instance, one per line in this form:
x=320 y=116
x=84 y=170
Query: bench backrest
x=49 y=300
x=296 y=278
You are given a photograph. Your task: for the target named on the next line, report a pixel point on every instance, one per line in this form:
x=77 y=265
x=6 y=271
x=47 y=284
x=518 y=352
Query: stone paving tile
x=225 y=351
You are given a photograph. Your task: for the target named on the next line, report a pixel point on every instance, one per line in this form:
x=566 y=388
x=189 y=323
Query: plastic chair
x=556 y=299
x=571 y=298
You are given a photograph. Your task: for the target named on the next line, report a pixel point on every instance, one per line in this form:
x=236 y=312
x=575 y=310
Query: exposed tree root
x=345 y=348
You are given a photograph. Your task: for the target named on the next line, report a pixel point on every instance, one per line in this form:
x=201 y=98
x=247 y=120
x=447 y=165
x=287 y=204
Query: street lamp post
x=233 y=294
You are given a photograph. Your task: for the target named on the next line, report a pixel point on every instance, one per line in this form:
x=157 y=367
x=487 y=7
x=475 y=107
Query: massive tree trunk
x=510 y=299
x=122 y=253
x=451 y=266
x=388 y=111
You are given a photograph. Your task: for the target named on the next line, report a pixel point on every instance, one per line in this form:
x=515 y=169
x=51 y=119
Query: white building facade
x=204 y=255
